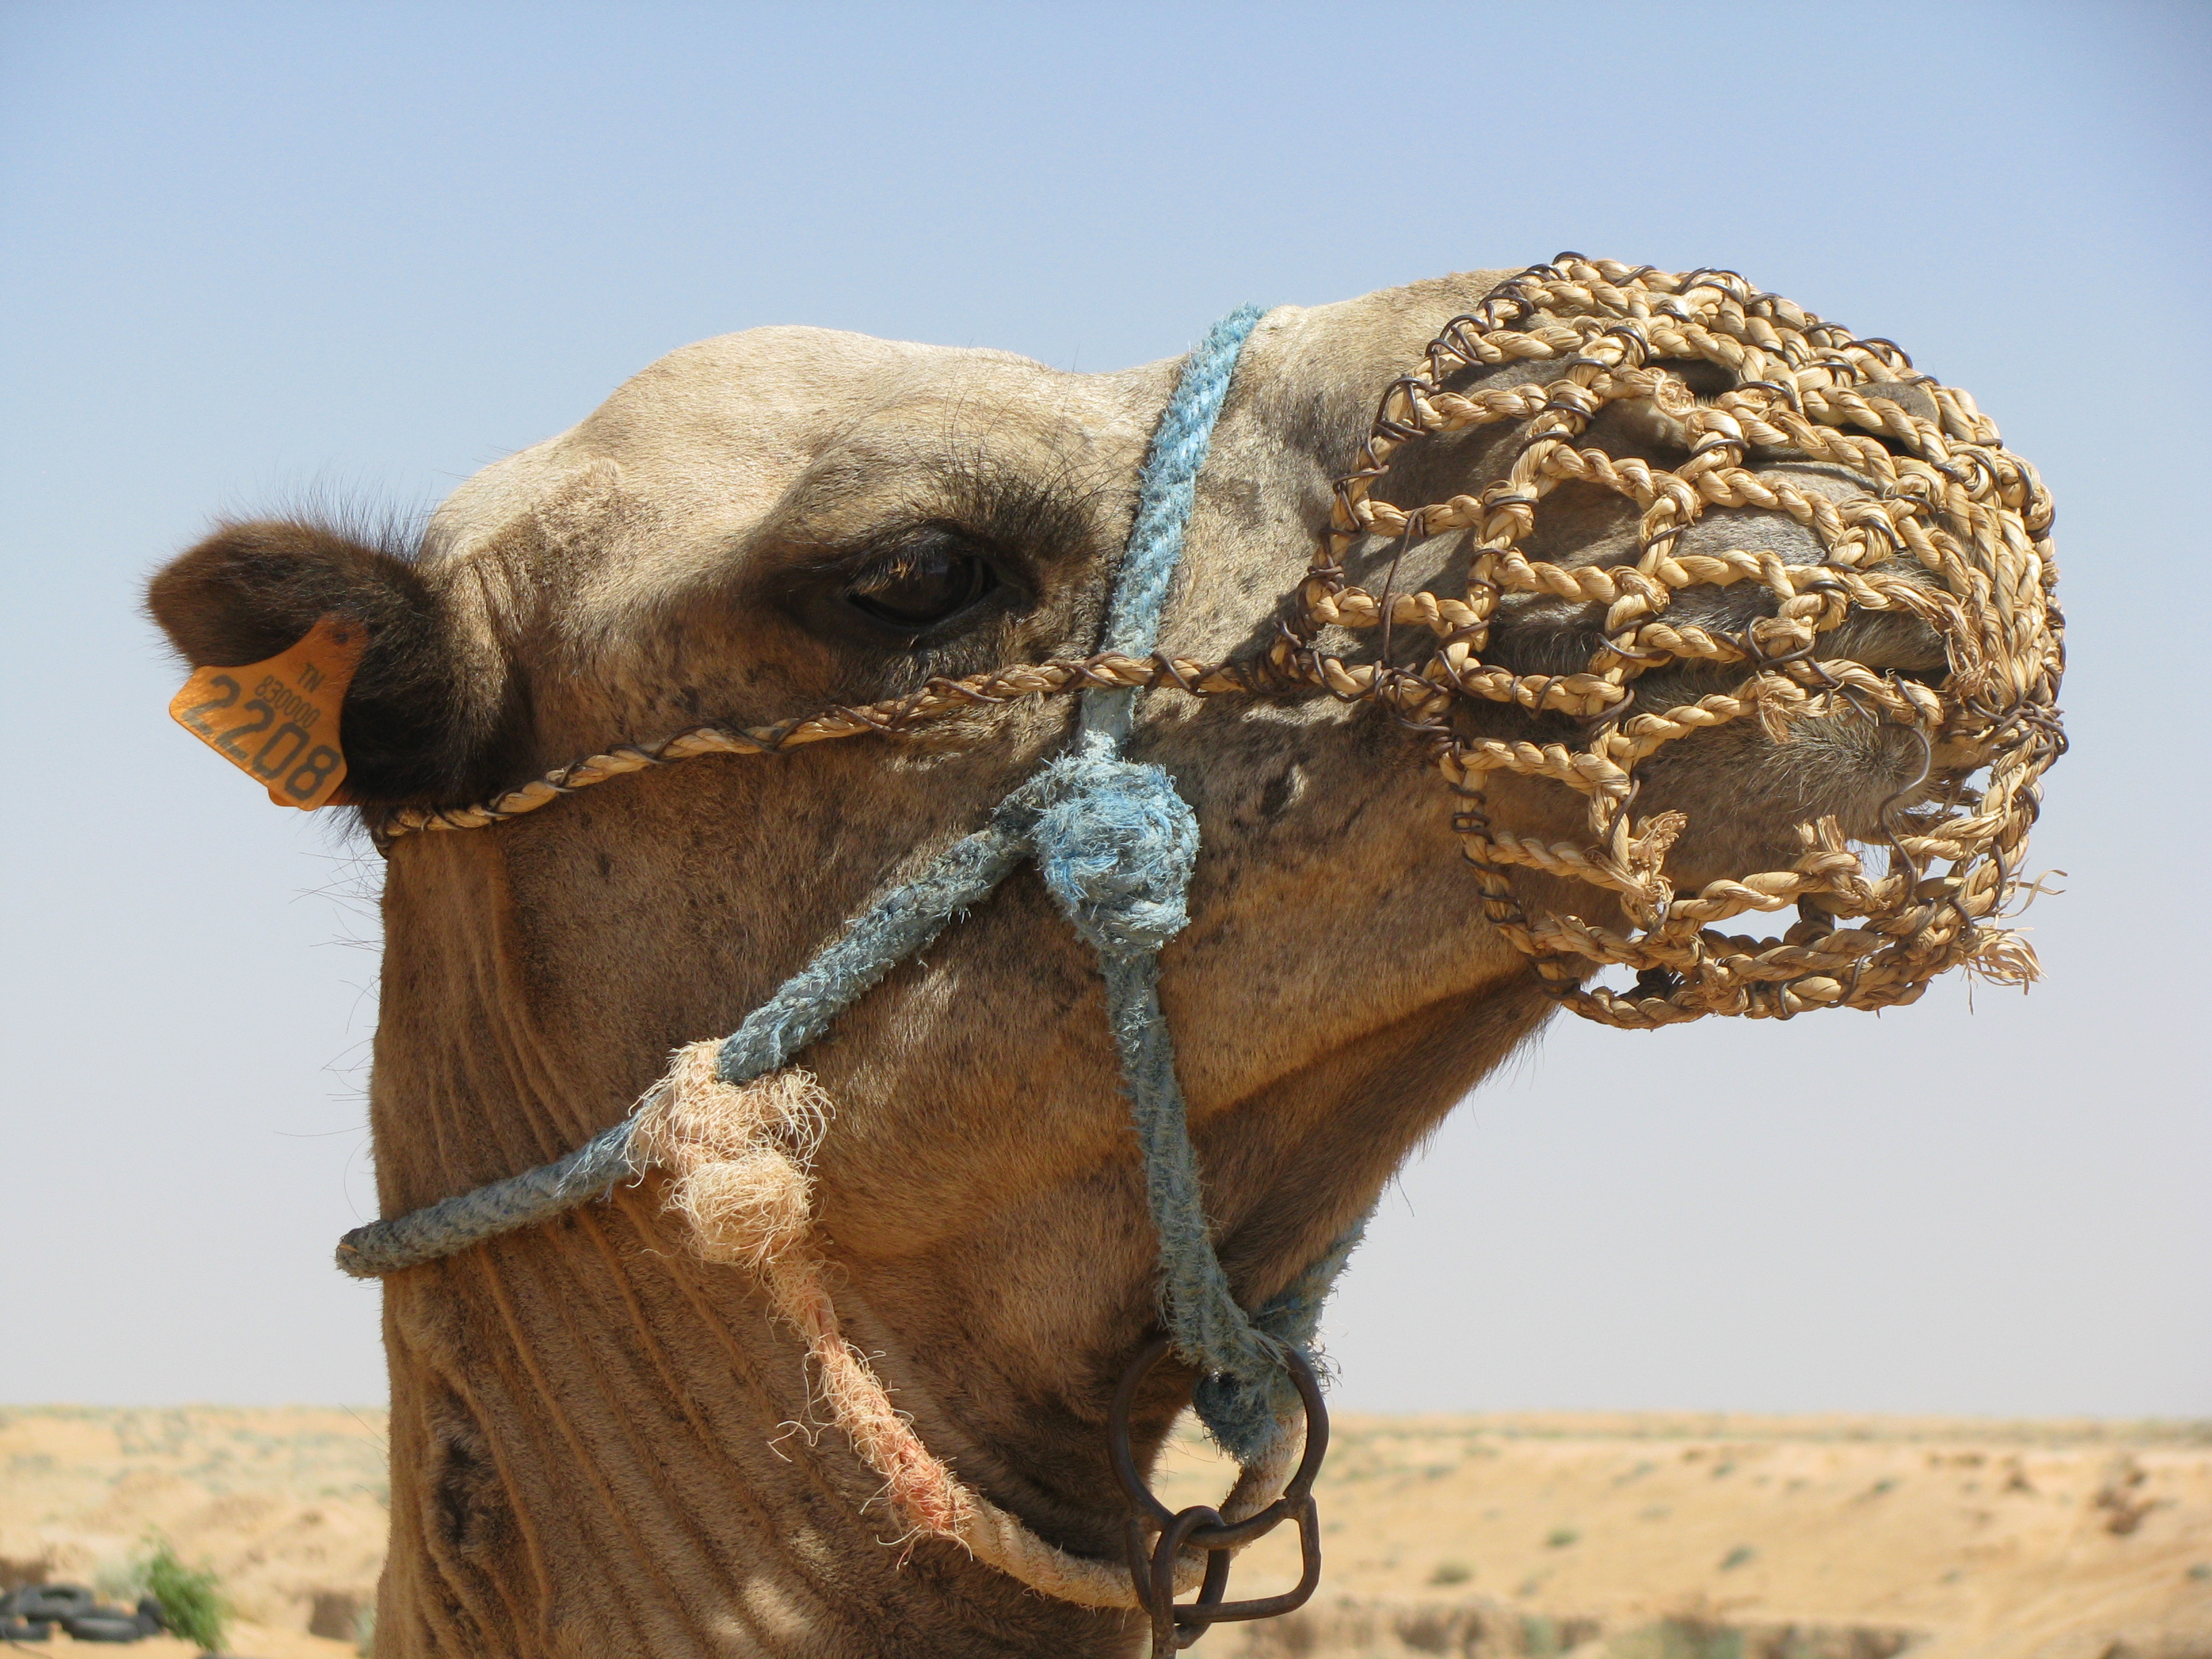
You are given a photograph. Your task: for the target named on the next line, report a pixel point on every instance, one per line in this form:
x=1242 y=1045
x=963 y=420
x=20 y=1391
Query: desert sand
x=1630 y=1536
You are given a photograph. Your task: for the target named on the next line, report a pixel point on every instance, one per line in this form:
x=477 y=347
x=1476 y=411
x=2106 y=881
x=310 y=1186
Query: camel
x=602 y=1443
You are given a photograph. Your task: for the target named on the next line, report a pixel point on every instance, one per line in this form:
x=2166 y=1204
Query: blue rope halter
x=1116 y=846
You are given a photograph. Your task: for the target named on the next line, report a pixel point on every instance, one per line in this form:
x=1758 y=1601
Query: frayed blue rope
x=1166 y=492
x=899 y=923
x=902 y=921
x=1241 y=1410
x=1116 y=846
x=454 y=1224
x=1121 y=830
x=1168 y=484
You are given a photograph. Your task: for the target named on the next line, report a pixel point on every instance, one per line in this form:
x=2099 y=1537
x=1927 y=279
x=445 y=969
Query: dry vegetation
x=1637 y=1536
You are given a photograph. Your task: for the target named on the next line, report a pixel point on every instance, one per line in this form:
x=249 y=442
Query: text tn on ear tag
x=277 y=721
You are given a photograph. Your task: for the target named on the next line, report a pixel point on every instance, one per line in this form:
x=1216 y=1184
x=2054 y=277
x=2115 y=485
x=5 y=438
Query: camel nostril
x=1706 y=380
x=1282 y=792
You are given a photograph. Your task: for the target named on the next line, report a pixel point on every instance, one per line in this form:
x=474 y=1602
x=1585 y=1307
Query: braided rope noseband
x=1950 y=531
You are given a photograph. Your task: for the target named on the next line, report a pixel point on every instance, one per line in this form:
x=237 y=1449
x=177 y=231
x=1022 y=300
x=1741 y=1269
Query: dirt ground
x=1631 y=1535
x=286 y=1505
x=1686 y=1536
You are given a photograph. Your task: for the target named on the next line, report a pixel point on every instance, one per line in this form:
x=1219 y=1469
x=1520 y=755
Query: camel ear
x=421 y=719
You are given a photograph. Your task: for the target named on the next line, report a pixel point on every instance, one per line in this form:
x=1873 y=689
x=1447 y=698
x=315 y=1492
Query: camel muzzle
x=1950 y=531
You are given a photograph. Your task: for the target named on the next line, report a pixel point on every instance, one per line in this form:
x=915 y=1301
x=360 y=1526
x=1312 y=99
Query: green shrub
x=190 y=1598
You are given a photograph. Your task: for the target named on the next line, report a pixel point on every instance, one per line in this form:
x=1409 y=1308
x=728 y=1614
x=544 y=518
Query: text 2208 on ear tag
x=277 y=721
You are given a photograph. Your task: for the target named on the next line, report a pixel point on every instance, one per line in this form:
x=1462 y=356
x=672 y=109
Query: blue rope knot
x=1116 y=845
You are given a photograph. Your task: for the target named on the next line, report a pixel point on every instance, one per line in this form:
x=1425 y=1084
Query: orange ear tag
x=277 y=721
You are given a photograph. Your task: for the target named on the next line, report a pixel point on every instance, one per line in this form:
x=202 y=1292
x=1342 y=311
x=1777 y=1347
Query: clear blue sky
x=254 y=254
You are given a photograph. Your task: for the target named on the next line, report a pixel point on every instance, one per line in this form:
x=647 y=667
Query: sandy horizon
x=1658 y=1534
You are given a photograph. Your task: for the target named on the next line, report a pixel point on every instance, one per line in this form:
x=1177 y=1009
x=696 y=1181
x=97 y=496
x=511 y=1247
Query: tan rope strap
x=737 y=1160
x=892 y=717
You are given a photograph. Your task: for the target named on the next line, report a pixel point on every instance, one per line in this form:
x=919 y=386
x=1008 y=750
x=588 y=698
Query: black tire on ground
x=105 y=1627
x=54 y=1601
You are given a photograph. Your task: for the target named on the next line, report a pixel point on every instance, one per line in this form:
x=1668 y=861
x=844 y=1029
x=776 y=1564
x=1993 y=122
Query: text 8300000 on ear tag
x=277 y=721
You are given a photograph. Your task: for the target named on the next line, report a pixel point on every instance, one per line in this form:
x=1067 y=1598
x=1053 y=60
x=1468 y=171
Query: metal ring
x=1202 y=1527
x=1150 y=1507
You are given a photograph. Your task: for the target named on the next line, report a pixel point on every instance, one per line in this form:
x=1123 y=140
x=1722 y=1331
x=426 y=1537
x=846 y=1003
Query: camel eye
x=920 y=586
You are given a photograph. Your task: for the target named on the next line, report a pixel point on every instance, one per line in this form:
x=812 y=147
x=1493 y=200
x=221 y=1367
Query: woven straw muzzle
x=1950 y=529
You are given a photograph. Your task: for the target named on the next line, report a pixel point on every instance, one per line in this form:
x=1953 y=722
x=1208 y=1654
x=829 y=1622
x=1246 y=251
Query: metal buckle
x=1201 y=1528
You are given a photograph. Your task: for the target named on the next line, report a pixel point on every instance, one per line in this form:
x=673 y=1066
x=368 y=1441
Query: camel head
x=1686 y=621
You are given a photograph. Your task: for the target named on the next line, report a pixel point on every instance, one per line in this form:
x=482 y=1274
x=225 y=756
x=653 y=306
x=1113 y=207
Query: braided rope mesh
x=1950 y=529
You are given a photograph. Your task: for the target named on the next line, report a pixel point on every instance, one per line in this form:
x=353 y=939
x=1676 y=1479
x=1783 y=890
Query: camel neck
x=602 y=1444
x=601 y=1450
